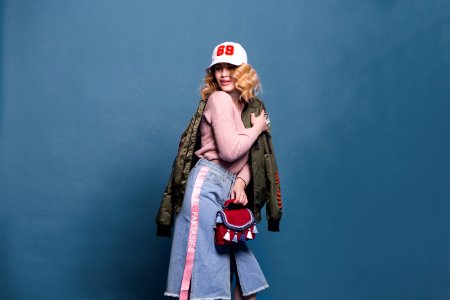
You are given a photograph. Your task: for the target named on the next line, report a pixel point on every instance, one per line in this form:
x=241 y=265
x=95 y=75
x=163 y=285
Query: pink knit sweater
x=224 y=138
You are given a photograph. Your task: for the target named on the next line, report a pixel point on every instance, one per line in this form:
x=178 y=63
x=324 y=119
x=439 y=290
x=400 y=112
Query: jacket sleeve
x=164 y=217
x=274 y=204
x=173 y=195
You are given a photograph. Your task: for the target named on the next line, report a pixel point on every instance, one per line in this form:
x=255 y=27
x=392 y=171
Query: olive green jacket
x=264 y=186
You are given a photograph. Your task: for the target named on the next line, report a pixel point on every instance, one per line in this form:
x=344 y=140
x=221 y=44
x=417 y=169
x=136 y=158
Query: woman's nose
x=225 y=72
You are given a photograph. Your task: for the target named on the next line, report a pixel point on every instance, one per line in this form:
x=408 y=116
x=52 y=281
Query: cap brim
x=225 y=61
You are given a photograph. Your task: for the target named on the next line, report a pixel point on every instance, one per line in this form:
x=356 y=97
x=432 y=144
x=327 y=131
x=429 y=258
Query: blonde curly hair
x=247 y=82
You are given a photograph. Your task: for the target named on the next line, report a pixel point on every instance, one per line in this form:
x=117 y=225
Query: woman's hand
x=238 y=192
x=259 y=121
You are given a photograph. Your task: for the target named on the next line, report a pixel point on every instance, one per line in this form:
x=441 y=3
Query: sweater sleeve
x=231 y=144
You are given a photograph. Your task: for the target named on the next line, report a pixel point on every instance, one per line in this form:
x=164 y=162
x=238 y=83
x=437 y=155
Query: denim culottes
x=196 y=263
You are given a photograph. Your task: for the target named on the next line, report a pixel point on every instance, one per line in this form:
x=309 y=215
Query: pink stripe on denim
x=193 y=230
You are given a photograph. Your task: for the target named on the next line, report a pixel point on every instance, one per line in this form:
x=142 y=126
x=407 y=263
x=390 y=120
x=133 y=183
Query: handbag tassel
x=226 y=237
x=242 y=239
x=219 y=219
x=235 y=240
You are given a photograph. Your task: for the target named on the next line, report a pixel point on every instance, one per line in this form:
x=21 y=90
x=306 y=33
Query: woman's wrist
x=241 y=181
x=258 y=128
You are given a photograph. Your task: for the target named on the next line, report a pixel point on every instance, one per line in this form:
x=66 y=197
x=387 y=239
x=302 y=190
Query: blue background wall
x=95 y=94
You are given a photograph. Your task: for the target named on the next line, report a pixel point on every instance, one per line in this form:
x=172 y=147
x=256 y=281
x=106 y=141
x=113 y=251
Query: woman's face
x=222 y=73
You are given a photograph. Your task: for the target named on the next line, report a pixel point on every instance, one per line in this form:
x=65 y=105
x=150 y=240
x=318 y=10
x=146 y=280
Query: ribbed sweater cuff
x=274 y=225
x=164 y=231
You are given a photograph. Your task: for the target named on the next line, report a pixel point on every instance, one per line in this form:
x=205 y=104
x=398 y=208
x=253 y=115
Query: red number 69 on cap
x=228 y=50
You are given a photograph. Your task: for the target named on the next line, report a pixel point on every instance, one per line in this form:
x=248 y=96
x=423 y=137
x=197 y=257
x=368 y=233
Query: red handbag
x=234 y=223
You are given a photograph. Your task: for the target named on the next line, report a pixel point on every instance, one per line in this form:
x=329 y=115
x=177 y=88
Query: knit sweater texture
x=224 y=138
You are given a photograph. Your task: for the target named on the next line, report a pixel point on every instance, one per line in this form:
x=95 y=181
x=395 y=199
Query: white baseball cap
x=229 y=52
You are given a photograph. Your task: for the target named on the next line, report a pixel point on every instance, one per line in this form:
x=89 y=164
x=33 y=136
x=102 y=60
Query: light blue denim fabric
x=211 y=271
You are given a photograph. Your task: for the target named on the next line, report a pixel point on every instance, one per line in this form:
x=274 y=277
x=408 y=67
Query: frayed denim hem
x=171 y=295
x=178 y=296
x=255 y=291
x=215 y=298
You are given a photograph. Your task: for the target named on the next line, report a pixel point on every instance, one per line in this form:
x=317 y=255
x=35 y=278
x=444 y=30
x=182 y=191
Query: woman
x=198 y=269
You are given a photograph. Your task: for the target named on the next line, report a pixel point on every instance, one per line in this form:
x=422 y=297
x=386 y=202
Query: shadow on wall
x=6 y=284
x=2 y=38
x=124 y=259
x=6 y=291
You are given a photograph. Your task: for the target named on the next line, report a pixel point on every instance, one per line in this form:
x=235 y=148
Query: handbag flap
x=237 y=219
